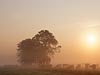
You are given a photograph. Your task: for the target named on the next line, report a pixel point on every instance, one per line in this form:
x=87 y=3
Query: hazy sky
x=69 y=20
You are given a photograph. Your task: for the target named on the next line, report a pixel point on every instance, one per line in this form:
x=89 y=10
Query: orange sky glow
x=74 y=23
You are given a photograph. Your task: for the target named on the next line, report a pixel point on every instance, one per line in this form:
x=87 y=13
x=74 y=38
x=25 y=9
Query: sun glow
x=91 y=39
x=89 y=42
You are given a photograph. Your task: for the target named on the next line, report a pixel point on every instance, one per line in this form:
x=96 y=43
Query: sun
x=91 y=39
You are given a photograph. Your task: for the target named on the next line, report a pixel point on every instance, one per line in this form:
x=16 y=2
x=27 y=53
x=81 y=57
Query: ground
x=23 y=71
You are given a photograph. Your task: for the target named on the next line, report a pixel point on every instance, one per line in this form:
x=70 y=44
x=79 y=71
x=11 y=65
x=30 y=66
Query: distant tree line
x=38 y=50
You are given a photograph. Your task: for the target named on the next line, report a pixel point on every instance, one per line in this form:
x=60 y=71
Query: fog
x=68 y=20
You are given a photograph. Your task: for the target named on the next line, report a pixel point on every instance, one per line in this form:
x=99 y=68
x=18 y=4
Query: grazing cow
x=87 y=66
x=58 y=66
x=94 y=66
x=65 y=66
x=78 y=66
x=70 y=67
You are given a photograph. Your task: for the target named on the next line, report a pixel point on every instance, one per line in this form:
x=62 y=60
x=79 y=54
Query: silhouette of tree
x=25 y=52
x=39 y=50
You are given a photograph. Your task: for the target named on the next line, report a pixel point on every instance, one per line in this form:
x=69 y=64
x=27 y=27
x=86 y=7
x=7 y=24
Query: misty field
x=21 y=71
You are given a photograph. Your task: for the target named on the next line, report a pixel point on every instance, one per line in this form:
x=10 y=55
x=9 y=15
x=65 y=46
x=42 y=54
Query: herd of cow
x=64 y=66
x=78 y=66
x=74 y=67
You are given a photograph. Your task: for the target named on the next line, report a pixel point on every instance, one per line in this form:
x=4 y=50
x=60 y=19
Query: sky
x=69 y=20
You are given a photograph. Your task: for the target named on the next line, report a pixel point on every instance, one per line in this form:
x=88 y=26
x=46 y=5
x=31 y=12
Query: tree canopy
x=38 y=50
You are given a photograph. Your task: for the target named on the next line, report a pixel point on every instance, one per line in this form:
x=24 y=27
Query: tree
x=39 y=50
x=25 y=52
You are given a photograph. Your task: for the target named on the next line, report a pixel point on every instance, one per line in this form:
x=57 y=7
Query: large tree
x=25 y=52
x=39 y=50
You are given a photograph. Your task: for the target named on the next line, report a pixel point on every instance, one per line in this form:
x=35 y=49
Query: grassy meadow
x=27 y=71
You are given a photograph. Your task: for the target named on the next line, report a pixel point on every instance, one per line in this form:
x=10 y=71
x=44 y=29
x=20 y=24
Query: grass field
x=17 y=71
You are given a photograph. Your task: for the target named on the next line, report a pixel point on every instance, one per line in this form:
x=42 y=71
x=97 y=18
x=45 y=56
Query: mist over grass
x=46 y=71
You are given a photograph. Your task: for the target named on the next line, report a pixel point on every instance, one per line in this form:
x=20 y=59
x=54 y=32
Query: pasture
x=30 y=71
